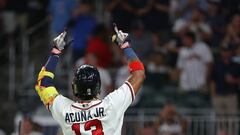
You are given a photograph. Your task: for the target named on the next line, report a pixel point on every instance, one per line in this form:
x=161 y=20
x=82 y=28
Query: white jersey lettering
x=98 y=116
x=84 y=115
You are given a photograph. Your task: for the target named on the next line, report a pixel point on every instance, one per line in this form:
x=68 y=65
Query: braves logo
x=90 y=76
x=85 y=77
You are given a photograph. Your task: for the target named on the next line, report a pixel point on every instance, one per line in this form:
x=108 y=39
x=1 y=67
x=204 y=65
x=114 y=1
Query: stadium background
x=157 y=28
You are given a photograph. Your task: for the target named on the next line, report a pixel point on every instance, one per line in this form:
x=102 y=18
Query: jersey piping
x=131 y=89
x=86 y=108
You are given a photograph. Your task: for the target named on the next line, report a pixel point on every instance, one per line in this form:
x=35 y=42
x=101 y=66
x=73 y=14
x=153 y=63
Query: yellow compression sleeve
x=46 y=94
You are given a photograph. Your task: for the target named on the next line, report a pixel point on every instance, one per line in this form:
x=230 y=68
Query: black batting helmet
x=86 y=82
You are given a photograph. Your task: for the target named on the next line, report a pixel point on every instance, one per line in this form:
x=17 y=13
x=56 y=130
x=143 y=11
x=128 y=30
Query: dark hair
x=191 y=35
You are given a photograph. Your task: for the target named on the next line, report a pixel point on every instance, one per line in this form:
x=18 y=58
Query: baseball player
x=90 y=115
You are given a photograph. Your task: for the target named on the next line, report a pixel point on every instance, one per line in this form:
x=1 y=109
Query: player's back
x=96 y=117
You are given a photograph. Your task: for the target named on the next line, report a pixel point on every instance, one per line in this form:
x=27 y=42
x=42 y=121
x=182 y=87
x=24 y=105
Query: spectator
x=98 y=45
x=119 y=14
x=138 y=9
x=157 y=63
x=143 y=8
x=193 y=63
x=225 y=83
x=230 y=7
x=174 y=4
x=159 y=18
x=216 y=20
x=35 y=9
x=172 y=48
x=60 y=12
x=106 y=82
x=157 y=71
x=141 y=40
x=232 y=36
x=198 y=25
x=195 y=24
x=173 y=45
x=28 y=127
x=187 y=6
x=153 y=13
x=83 y=24
x=9 y=20
x=9 y=26
x=170 y=122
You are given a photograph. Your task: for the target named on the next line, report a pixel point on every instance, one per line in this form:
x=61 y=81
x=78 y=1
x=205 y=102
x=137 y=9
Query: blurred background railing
x=142 y=121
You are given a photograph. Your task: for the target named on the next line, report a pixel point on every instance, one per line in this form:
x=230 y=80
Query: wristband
x=56 y=51
x=129 y=53
x=134 y=66
x=52 y=63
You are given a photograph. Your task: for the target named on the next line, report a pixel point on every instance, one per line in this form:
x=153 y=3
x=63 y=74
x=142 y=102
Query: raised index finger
x=115 y=28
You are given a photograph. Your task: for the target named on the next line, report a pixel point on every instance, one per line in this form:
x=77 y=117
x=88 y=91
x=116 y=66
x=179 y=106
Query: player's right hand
x=120 y=38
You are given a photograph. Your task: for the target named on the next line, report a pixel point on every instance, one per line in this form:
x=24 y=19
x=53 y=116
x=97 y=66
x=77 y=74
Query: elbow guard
x=46 y=94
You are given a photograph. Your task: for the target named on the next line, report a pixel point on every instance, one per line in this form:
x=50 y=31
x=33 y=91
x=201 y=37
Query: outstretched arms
x=44 y=87
x=136 y=68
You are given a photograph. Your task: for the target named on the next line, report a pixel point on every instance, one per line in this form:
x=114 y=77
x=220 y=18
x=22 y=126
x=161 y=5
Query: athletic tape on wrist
x=135 y=65
x=52 y=63
x=129 y=53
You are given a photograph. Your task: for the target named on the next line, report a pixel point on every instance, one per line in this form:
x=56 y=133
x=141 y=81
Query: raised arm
x=136 y=68
x=44 y=87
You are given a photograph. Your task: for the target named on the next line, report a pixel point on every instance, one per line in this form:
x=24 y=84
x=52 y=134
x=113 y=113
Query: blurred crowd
x=193 y=45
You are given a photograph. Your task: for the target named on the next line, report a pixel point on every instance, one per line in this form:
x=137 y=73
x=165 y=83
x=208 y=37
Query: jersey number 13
x=87 y=126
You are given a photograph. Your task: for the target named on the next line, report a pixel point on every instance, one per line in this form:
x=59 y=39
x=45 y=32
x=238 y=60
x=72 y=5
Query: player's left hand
x=59 y=42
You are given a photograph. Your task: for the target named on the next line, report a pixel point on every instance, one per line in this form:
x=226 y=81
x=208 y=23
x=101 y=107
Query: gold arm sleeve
x=46 y=94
